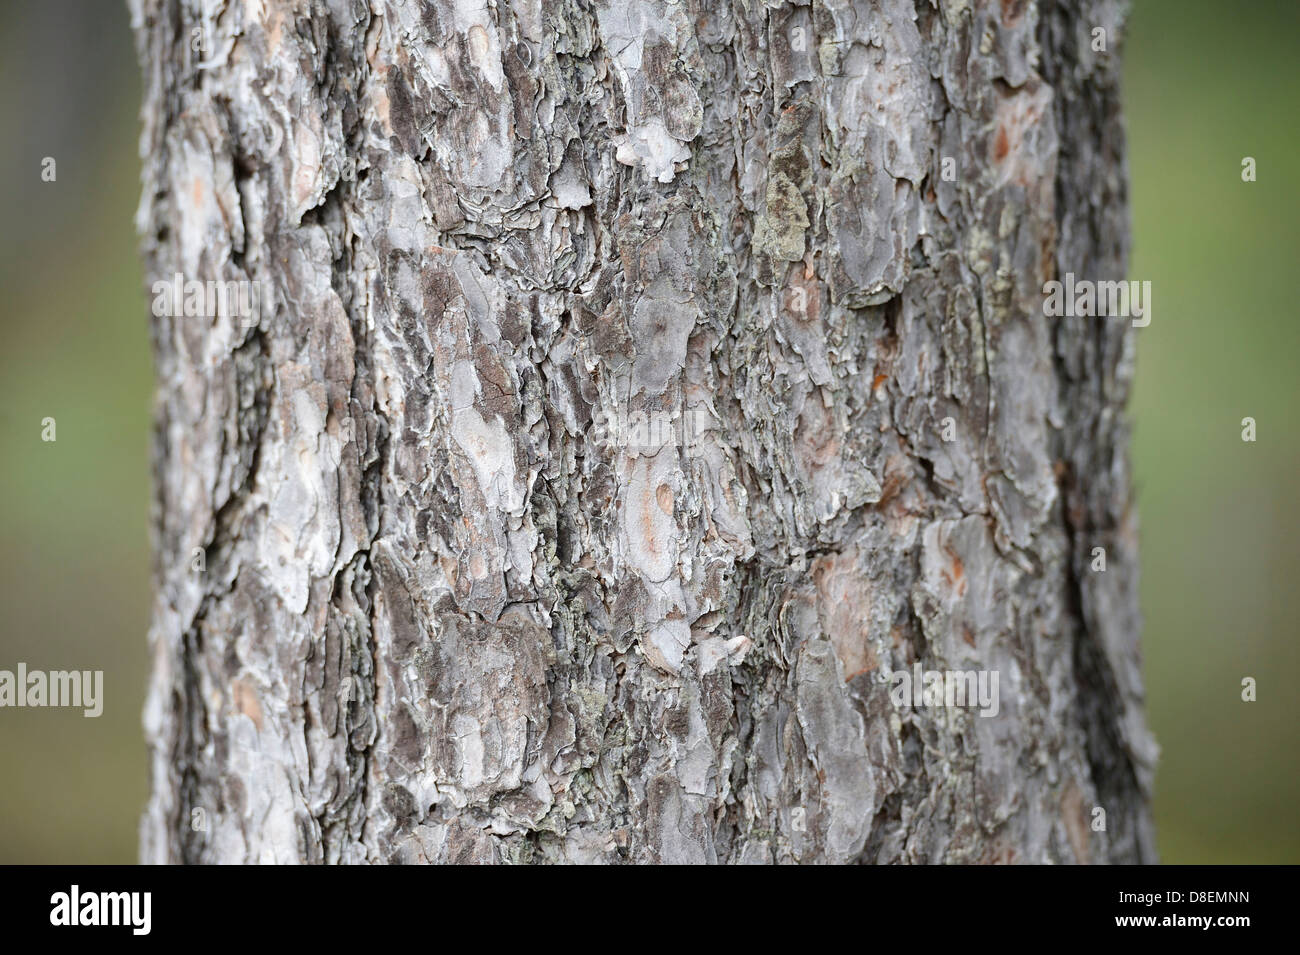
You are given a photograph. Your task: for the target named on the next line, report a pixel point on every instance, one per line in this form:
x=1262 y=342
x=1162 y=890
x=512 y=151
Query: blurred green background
x=1207 y=83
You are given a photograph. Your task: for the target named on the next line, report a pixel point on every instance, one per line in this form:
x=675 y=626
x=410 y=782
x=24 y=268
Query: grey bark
x=589 y=467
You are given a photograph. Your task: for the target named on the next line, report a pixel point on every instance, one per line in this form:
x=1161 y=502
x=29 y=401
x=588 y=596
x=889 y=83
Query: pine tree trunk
x=641 y=385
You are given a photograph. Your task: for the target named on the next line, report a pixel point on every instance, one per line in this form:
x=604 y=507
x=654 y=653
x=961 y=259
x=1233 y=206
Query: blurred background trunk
x=639 y=385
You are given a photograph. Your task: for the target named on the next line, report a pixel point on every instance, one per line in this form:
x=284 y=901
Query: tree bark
x=644 y=383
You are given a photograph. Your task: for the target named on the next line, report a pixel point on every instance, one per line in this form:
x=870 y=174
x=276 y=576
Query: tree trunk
x=644 y=385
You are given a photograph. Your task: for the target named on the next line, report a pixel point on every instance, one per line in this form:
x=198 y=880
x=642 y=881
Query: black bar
x=941 y=905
